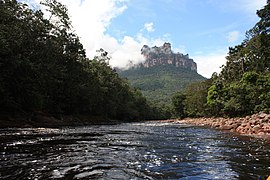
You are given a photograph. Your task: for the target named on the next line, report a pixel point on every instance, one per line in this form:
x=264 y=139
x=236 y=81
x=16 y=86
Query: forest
x=160 y=82
x=242 y=87
x=44 y=68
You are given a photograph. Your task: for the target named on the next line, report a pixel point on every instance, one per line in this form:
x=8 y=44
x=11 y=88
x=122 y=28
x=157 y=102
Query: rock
x=164 y=56
x=256 y=129
x=266 y=119
x=261 y=133
x=266 y=128
x=230 y=122
x=263 y=120
x=250 y=125
x=244 y=125
x=216 y=125
x=230 y=127
x=262 y=115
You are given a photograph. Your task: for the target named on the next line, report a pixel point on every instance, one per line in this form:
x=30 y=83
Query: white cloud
x=90 y=20
x=129 y=49
x=149 y=27
x=233 y=36
x=210 y=63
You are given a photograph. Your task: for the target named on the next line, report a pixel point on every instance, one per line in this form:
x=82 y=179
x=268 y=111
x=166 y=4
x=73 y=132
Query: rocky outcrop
x=257 y=124
x=165 y=56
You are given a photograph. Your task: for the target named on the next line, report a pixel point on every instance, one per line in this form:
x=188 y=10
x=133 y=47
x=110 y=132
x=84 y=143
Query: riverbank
x=41 y=119
x=257 y=125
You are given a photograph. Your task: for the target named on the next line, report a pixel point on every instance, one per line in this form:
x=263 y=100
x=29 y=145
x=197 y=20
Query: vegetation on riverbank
x=44 y=68
x=243 y=86
x=45 y=75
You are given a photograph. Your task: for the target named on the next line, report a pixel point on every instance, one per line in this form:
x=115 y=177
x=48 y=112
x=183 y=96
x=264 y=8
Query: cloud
x=233 y=36
x=90 y=20
x=129 y=49
x=149 y=27
x=209 y=63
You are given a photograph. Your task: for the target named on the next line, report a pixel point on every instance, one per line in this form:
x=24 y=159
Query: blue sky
x=202 y=28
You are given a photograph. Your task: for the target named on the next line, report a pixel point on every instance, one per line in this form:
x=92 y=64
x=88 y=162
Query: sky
x=204 y=29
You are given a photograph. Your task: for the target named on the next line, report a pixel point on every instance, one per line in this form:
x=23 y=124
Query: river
x=148 y=150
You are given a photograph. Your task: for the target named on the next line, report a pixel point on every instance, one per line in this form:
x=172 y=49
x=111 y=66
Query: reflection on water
x=131 y=151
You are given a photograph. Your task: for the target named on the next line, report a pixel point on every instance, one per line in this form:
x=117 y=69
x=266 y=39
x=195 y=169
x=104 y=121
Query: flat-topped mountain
x=162 y=74
x=165 y=56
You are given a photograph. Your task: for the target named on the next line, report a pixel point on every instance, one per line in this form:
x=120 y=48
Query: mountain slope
x=158 y=83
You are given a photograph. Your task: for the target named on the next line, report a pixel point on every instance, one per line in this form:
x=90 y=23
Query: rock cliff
x=165 y=56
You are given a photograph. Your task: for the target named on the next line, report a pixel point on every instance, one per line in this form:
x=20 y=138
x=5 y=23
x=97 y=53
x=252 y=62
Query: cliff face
x=164 y=56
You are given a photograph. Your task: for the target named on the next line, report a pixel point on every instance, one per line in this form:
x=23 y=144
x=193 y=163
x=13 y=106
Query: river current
x=148 y=150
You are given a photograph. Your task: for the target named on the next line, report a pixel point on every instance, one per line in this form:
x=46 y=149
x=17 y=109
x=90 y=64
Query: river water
x=131 y=151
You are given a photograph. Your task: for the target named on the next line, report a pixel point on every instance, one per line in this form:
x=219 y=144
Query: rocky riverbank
x=255 y=125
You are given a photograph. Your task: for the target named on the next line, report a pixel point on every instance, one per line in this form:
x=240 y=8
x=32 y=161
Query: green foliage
x=192 y=101
x=245 y=77
x=215 y=98
x=254 y=52
x=242 y=87
x=44 y=68
x=159 y=83
x=178 y=104
x=196 y=102
x=247 y=96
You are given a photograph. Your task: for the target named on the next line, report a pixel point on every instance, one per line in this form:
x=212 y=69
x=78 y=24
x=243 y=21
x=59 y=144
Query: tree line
x=243 y=85
x=44 y=68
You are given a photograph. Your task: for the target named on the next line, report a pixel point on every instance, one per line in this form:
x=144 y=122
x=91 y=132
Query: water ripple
x=131 y=151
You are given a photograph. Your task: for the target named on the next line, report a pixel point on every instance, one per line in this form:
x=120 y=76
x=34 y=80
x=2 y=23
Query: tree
x=242 y=88
x=44 y=68
x=178 y=104
x=196 y=101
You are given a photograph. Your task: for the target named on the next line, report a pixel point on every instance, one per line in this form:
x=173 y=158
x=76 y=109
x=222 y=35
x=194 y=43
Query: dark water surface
x=131 y=151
